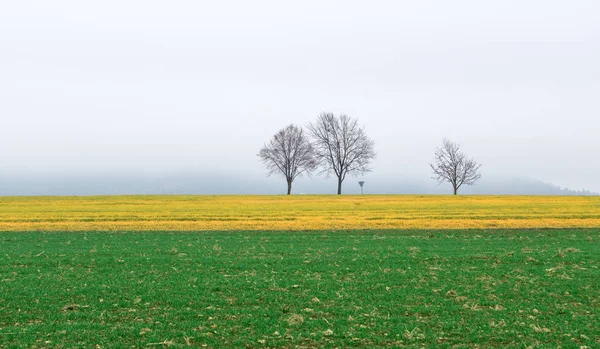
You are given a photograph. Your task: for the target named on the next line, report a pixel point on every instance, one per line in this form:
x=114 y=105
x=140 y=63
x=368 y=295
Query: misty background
x=132 y=96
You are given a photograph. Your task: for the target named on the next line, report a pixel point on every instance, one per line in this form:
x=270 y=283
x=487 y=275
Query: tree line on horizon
x=339 y=145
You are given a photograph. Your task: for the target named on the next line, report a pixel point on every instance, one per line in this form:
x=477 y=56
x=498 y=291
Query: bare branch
x=453 y=166
x=341 y=146
x=289 y=153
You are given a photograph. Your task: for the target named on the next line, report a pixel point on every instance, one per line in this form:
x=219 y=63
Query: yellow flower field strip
x=188 y=213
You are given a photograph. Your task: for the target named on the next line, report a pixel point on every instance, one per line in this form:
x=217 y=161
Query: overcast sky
x=142 y=86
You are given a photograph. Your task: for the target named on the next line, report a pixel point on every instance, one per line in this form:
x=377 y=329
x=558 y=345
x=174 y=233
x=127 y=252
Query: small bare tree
x=290 y=154
x=453 y=166
x=342 y=146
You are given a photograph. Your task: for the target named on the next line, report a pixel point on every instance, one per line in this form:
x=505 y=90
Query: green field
x=422 y=288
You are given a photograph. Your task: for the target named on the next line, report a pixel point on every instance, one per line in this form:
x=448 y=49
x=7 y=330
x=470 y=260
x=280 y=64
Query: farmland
x=486 y=288
x=300 y=271
x=231 y=213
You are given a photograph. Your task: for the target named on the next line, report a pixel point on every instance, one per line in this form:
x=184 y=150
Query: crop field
x=538 y=288
x=194 y=213
x=299 y=272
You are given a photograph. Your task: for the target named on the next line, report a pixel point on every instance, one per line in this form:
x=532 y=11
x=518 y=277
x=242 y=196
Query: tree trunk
x=455 y=191
x=289 y=187
x=339 y=187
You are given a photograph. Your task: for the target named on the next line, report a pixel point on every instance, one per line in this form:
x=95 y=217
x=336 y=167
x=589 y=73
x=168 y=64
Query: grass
x=475 y=288
x=210 y=213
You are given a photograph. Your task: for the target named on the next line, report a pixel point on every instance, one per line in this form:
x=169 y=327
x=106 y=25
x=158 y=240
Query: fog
x=138 y=96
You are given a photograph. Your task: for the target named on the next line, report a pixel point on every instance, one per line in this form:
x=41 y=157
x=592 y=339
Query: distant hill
x=486 y=186
x=522 y=186
x=189 y=183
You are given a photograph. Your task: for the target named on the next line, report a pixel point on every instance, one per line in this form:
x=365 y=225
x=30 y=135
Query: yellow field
x=188 y=213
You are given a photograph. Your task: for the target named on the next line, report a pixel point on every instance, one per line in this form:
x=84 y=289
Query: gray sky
x=169 y=86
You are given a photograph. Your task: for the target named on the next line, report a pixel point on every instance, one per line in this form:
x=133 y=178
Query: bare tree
x=290 y=154
x=342 y=146
x=453 y=166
